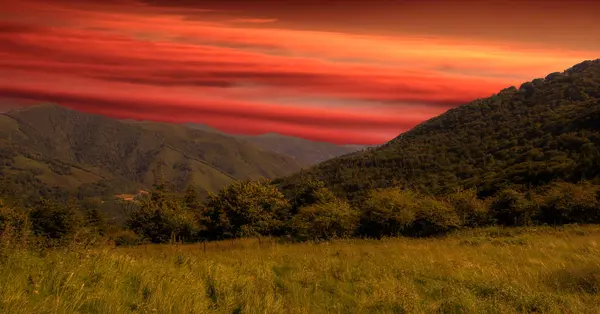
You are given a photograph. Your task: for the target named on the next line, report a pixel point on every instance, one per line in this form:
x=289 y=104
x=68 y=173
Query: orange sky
x=350 y=72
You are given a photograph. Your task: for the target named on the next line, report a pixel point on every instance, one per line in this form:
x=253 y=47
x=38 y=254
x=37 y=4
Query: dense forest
x=545 y=130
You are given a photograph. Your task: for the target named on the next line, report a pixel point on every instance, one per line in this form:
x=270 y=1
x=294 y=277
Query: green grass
x=535 y=270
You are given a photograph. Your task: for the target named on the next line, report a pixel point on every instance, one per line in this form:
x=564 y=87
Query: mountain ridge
x=547 y=129
x=306 y=152
x=132 y=153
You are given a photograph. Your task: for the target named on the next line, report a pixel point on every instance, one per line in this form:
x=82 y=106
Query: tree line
x=308 y=212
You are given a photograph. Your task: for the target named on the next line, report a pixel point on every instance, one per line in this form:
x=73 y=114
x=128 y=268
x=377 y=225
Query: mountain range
x=91 y=154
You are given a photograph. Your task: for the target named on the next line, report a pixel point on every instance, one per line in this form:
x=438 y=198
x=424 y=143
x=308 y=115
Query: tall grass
x=533 y=270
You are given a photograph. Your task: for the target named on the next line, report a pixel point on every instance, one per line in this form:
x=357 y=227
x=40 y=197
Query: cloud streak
x=126 y=59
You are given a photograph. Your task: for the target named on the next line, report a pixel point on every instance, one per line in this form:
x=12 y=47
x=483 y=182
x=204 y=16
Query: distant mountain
x=205 y=128
x=547 y=129
x=53 y=146
x=306 y=152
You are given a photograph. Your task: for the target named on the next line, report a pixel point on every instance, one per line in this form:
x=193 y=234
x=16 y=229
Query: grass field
x=534 y=270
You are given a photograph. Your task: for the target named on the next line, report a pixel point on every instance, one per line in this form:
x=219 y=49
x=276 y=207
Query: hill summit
x=545 y=130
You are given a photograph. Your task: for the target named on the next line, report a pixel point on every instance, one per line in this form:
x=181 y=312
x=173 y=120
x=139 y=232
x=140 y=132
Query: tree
x=310 y=192
x=324 y=221
x=472 y=211
x=433 y=218
x=388 y=212
x=512 y=208
x=249 y=208
x=162 y=219
x=54 y=221
x=563 y=203
x=14 y=225
x=93 y=217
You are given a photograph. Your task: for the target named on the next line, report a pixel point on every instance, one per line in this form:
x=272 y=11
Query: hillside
x=71 y=150
x=545 y=130
x=306 y=152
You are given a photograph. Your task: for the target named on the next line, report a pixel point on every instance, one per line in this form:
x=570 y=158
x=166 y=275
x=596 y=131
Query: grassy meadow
x=494 y=270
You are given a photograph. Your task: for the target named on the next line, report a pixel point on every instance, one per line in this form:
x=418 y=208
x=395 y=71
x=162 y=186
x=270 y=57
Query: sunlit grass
x=543 y=270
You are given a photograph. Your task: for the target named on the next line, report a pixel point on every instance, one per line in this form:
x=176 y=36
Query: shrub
x=512 y=208
x=55 y=222
x=310 y=192
x=162 y=219
x=249 y=208
x=93 y=218
x=15 y=227
x=388 y=212
x=126 y=238
x=472 y=211
x=564 y=203
x=434 y=218
x=324 y=221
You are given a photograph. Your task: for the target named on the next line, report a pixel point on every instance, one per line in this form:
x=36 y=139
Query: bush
x=324 y=221
x=163 y=220
x=15 y=227
x=434 y=218
x=249 y=208
x=55 y=222
x=388 y=212
x=472 y=211
x=310 y=192
x=512 y=208
x=564 y=203
x=126 y=238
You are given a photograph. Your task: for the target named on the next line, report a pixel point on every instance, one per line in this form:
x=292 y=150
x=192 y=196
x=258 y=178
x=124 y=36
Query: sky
x=340 y=71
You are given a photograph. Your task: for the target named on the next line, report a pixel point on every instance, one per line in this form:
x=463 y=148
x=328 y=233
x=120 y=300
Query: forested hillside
x=47 y=147
x=547 y=129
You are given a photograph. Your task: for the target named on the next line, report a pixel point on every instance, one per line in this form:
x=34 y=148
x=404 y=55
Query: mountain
x=306 y=152
x=547 y=129
x=54 y=146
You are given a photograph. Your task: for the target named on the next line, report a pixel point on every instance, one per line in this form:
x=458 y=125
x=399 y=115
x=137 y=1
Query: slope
x=306 y=152
x=548 y=129
x=72 y=150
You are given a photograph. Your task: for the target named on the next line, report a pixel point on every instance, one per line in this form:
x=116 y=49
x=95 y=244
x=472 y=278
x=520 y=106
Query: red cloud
x=144 y=62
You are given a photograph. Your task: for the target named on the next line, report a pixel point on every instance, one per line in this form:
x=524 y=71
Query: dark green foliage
x=388 y=212
x=563 y=203
x=310 y=192
x=324 y=221
x=57 y=222
x=548 y=130
x=513 y=208
x=248 y=208
x=161 y=218
x=191 y=199
x=434 y=218
x=472 y=211
x=395 y=212
x=93 y=217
